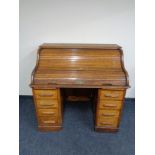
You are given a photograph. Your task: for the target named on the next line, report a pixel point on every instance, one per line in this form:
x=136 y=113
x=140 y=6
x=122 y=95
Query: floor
x=78 y=136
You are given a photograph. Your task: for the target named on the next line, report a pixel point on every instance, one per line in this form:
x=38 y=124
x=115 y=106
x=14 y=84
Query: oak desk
x=61 y=67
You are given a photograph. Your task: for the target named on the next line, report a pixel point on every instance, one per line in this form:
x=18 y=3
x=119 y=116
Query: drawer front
x=47 y=121
x=108 y=122
x=111 y=94
x=51 y=112
x=47 y=103
x=108 y=113
x=46 y=94
x=111 y=104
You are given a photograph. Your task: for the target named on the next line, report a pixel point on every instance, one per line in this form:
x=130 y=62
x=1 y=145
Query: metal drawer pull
x=48 y=112
x=46 y=95
x=111 y=95
x=50 y=121
x=107 y=114
x=46 y=104
x=110 y=105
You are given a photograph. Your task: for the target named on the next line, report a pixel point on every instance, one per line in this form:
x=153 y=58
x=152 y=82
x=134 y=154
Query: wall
x=75 y=21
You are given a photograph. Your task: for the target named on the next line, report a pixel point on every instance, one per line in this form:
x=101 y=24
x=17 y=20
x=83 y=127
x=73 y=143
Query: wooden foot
x=102 y=129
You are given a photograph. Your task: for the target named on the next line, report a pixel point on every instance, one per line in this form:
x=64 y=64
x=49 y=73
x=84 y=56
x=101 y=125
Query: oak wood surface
x=112 y=104
x=80 y=66
x=93 y=66
x=111 y=95
x=48 y=109
x=108 y=112
x=108 y=117
x=46 y=103
x=81 y=46
x=46 y=94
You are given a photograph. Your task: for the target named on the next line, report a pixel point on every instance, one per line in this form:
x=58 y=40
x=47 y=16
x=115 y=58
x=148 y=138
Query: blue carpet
x=78 y=136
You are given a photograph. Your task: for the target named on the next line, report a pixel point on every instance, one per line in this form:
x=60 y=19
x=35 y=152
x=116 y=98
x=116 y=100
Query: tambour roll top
x=80 y=65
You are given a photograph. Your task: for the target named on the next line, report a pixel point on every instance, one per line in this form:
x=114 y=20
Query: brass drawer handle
x=48 y=112
x=111 y=95
x=50 y=121
x=110 y=105
x=46 y=95
x=46 y=104
x=108 y=115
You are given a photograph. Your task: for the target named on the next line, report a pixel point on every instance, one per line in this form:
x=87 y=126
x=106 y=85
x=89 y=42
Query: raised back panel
x=79 y=59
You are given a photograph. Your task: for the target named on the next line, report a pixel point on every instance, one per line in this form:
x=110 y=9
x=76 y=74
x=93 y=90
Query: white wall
x=75 y=21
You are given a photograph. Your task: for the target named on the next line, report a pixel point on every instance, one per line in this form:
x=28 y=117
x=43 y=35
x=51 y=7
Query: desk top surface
x=79 y=46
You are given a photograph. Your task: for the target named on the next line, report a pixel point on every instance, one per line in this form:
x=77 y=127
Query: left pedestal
x=48 y=105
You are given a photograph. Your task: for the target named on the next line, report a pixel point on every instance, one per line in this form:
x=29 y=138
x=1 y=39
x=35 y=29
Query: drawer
x=51 y=112
x=47 y=121
x=47 y=103
x=108 y=113
x=111 y=104
x=111 y=94
x=107 y=121
x=48 y=94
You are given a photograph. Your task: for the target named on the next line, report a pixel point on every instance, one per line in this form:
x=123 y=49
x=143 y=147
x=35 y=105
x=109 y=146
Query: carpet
x=78 y=136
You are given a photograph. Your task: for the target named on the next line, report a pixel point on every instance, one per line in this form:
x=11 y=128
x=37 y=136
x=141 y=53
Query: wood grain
x=48 y=109
x=46 y=94
x=111 y=94
x=109 y=109
x=110 y=104
x=80 y=46
x=95 y=66
x=47 y=103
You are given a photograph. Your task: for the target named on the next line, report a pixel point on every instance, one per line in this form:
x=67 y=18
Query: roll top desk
x=69 y=66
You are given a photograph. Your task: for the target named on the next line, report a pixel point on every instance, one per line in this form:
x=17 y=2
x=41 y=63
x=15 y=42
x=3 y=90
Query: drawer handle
x=46 y=95
x=106 y=123
x=48 y=112
x=111 y=95
x=50 y=121
x=110 y=105
x=46 y=104
x=108 y=115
